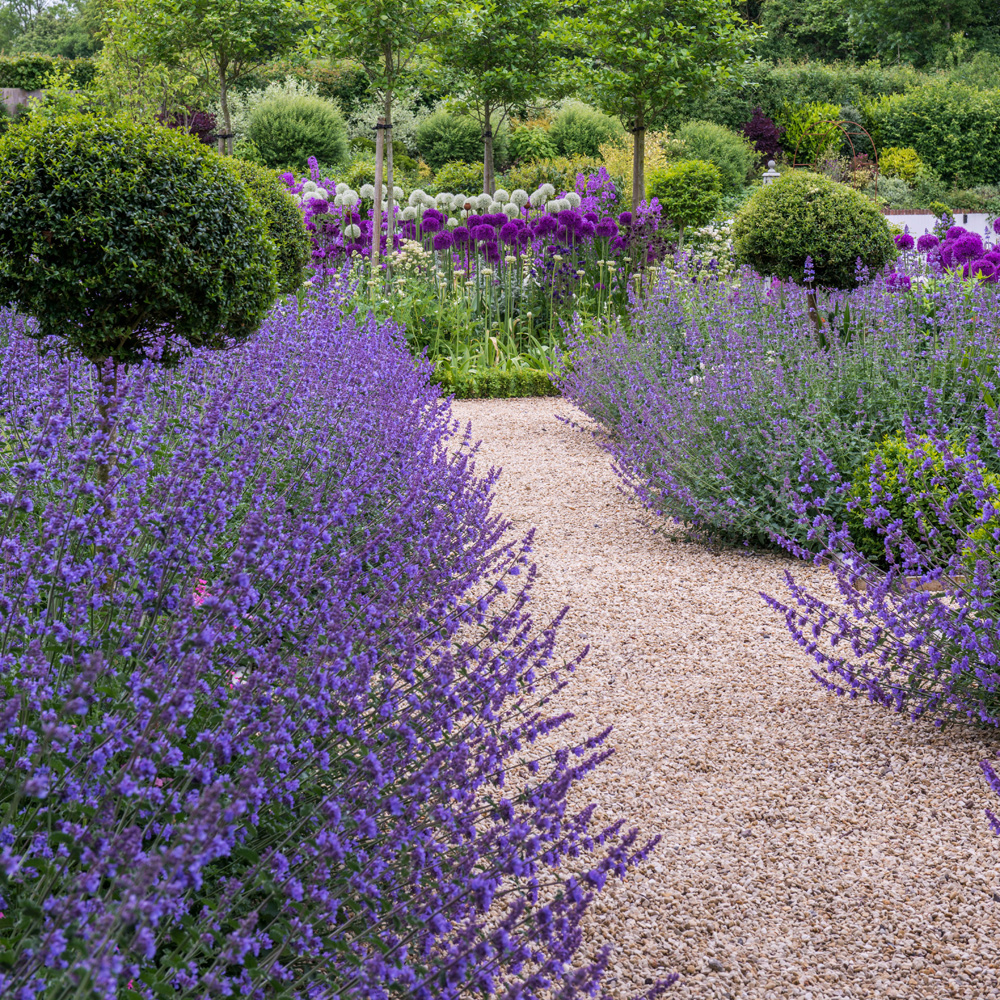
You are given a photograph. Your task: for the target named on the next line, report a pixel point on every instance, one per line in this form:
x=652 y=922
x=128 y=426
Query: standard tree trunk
x=377 y=201
x=489 y=178
x=638 y=163
x=390 y=212
x=814 y=316
x=224 y=104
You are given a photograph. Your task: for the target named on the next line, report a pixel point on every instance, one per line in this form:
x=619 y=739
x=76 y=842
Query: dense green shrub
x=689 y=192
x=730 y=152
x=893 y=191
x=464 y=178
x=853 y=141
x=560 y=172
x=446 y=138
x=129 y=241
x=283 y=218
x=953 y=128
x=288 y=130
x=981 y=198
x=904 y=162
x=806 y=215
x=580 y=130
x=495 y=383
x=528 y=143
x=809 y=130
x=29 y=72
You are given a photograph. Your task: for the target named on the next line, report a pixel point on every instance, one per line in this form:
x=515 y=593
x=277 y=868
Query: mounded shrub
x=288 y=130
x=464 y=177
x=580 y=130
x=802 y=215
x=129 y=240
x=955 y=129
x=528 y=143
x=808 y=132
x=446 y=138
x=730 y=152
x=902 y=162
x=283 y=219
x=689 y=192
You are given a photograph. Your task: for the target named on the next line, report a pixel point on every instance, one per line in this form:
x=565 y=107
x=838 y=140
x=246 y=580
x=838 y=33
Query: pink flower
x=200 y=593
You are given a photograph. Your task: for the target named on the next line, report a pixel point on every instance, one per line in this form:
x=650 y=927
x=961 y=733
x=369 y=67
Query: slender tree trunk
x=224 y=104
x=814 y=316
x=377 y=202
x=638 y=161
x=489 y=178
x=390 y=213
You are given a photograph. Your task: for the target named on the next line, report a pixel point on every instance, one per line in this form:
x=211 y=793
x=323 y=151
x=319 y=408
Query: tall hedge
x=954 y=129
x=28 y=72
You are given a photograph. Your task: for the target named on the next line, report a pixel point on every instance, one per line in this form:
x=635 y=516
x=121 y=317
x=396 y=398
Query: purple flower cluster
x=267 y=702
x=960 y=251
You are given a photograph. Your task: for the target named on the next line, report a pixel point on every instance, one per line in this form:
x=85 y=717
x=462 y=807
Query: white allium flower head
x=537 y=198
x=548 y=190
x=501 y=195
x=520 y=197
x=553 y=206
x=309 y=186
x=351 y=198
x=452 y=223
x=397 y=193
x=511 y=210
x=495 y=207
x=338 y=200
x=483 y=202
x=341 y=187
x=368 y=191
x=428 y=201
x=464 y=214
x=458 y=202
x=573 y=198
x=409 y=213
x=353 y=231
x=416 y=196
x=321 y=193
x=442 y=198
x=564 y=204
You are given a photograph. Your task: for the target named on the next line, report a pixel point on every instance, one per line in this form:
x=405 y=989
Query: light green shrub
x=689 y=192
x=730 y=152
x=900 y=161
x=458 y=176
x=288 y=130
x=446 y=138
x=807 y=137
x=528 y=143
x=560 y=172
x=580 y=130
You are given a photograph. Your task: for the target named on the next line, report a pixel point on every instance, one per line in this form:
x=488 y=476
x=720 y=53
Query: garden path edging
x=812 y=847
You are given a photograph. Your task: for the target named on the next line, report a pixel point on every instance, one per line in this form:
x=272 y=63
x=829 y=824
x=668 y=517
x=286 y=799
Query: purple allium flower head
x=904 y=241
x=443 y=240
x=625 y=218
x=954 y=232
x=993 y=257
x=475 y=220
x=461 y=234
x=927 y=242
x=546 y=225
x=606 y=229
x=492 y=252
x=524 y=237
x=508 y=232
x=996 y=225
x=318 y=206
x=896 y=280
x=967 y=248
x=982 y=268
x=587 y=229
x=483 y=233
x=430 y=223
x=592 y=217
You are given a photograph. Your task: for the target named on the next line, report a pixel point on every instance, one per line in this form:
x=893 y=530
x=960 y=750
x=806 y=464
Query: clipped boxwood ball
x=288 y=130
x=806 y=215
x=689 y=192
x=129 y=241
x=284 y=221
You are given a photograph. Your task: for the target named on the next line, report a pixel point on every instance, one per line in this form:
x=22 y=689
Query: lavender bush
x=266 y=703
x=725 y=414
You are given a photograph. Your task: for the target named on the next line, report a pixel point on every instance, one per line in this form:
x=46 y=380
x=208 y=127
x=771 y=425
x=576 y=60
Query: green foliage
x=806 y=215
x=579 y=130
x=954 y=129
x=689 y=192
x=29 y=72
x=495 y=383
x=980 y=198
x=528 y=143
x=560 y=172
x=807 y=132
x=812 y=29
x=129 y=241
x=731 y=153
x=289 y=130
x=283 y=219
x=903 y=162
x=892 y=191
x=444 y=138
x=460 y=178
x=913 y=484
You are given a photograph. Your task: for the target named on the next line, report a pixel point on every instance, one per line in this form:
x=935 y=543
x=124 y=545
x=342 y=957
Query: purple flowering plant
x=269 y=687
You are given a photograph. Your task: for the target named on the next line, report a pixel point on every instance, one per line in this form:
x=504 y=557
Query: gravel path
x=812 y=847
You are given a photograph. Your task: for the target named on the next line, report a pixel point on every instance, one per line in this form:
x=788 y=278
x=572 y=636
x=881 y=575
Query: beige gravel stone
x=812 y=847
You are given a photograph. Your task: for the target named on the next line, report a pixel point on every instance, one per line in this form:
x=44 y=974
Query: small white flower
x=548 y=191
x=443 y=198
x=339 y=200
x=452 y=223
x=463 y=214
x=309 y=186
x=510 y=260
x=416 y=197
x=409 y=214
x=552 y=206
x=563 y=204
x=458 y=202
x=495 y=207
x=536 y=199
x=520 y=197
x=397 y=193
x=351 y=198
x=321 y=193
x=483 y=202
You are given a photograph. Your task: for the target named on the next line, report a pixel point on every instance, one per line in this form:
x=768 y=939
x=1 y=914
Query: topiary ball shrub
x=288 y=130
x=806 y=215
x=284 y=221
x=689 y=193
x=129 y=241
x=730 y=152
x=580 y=130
